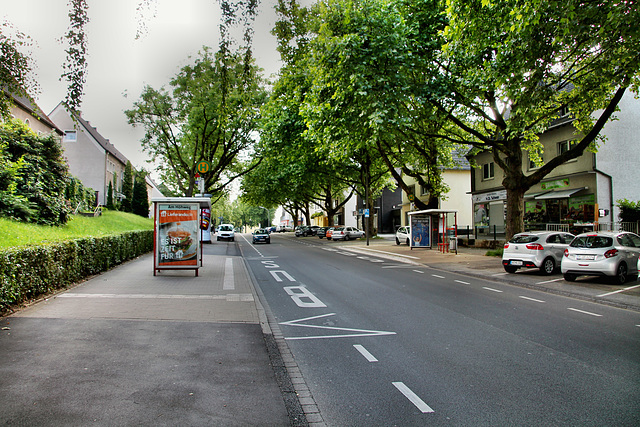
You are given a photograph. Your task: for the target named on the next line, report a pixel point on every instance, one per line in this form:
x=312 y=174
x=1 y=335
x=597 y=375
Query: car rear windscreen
x=524 y=238
x=592 y=242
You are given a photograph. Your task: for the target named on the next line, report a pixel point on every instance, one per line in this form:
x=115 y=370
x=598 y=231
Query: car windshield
x=592 y=242
x=261 y=231
x=338 y=229
x=226 y=228
x=524 y=238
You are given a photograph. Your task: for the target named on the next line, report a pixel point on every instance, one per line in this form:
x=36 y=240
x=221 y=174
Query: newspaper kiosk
x=177 y=233
x=434 y=227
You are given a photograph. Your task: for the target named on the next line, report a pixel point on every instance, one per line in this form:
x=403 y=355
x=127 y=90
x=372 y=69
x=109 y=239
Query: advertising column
x=178 y=236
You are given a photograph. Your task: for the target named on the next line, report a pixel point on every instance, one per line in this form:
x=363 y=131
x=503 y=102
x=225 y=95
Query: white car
x=346 y=233
x=403 y=235
x=612 y=254
x=226 y=232
x=535 y=249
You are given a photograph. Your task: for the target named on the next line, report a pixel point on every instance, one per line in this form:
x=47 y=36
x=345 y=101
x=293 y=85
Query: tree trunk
x=515 y=212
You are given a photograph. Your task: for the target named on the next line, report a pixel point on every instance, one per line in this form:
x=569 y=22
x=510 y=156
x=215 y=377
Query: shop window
x=488 y=171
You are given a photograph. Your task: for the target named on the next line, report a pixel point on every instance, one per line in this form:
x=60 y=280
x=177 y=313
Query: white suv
x=535 y=249
x=225 y=231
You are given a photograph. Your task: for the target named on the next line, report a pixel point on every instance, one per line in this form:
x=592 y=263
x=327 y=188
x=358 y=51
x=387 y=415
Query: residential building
x=27 y=110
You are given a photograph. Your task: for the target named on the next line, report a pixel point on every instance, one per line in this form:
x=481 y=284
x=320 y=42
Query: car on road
x=329 y=232
x=261 y=235
x=346 y=233
x=226 y=232
x=403 y=235
x=535 y=249
x=612 y=254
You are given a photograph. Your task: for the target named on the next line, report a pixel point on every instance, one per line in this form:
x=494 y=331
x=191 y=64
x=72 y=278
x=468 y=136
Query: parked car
x=403 y=235
x=226 y=232
x=329 y=232
x=322 y=232
x=346 y=233
x=613 y=254
x=314 y=230
x=283 y=228
x=303 y=231
x=261 y=235
x=535 y=249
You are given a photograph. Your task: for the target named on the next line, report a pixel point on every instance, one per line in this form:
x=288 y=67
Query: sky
x=120 y=65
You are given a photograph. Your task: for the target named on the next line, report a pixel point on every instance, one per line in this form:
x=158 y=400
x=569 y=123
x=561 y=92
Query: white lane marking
x=413 y=398
x=418 y=271
x=363 y=351
x=585 y=312
x=330 y=249
x=346 y=253
x=382 y=252
x=303 y=297
x=550 y=281
x=275 y=273
x=229 y=282
x=359 y=332
x=376 y=260
x=439 y=277
x=252 y=246
x=617 y=292
x=492 y=290
x=532 y=299
x=270 y=264
x=363 y=257
x=500 y=274
x=460 y=281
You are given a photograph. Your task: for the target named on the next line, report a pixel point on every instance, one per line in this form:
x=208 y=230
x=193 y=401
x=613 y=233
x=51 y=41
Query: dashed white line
x=585 y=312
x=492 y=290
x=532 y=299
x=500 y=274
x=460 y=281
x=617 y=292
x=550 y=281
x=363 y=351
x=413 y=398
x=418 y=271
x=439 y=277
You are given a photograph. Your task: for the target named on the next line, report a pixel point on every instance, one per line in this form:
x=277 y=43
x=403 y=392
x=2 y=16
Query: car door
x=555 y=246
x=630 y=250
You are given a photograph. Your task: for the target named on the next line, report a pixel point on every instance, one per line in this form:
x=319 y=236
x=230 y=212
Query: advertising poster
x=205 y=225
x=178 y=228
x=420 y=231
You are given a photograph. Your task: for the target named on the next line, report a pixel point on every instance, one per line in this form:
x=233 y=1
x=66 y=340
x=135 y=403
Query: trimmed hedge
x=26 y=273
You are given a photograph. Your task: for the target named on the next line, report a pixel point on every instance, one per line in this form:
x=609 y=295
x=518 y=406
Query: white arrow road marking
x=358 y=332
x=413 y=398
x=274 y=273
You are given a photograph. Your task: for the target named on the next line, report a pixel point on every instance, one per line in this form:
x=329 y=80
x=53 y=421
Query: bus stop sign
x=203 y=166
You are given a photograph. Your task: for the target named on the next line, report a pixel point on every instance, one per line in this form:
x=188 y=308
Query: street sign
x=366 y=213
x=203 y=166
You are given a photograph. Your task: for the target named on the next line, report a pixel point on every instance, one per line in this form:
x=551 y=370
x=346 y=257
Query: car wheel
x=621 y=274
x=548 y=266
x=510 y=269
x=397 y=241
x=233 y=239
x=408 y=242
x=569 y=277
x=346 y=237
x=218 y=239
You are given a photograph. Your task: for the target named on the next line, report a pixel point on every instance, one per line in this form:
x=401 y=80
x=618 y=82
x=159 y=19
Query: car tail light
x=611 y=253
x=535 y=246
x=506 y=245
x=566 y=253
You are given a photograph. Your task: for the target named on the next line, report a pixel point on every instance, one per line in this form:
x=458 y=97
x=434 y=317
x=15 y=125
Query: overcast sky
x=118 y=63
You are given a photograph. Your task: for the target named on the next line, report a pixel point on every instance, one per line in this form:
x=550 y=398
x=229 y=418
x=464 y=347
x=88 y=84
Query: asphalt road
x=382 y=342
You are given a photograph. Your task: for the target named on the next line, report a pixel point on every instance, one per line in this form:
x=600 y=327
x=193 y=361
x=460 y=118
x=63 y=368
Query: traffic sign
x=203 y=166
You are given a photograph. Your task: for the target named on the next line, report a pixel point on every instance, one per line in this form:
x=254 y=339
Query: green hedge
x=26 y=273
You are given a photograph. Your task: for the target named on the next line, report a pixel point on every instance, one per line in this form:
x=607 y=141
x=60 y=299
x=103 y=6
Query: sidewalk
x=128 y=348
x=473 y=262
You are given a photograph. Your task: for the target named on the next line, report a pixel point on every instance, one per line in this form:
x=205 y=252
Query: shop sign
x=178 y=227
x=489 y=197
x=559 y=183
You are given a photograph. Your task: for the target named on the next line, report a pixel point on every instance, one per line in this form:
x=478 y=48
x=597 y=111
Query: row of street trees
x=374 y=87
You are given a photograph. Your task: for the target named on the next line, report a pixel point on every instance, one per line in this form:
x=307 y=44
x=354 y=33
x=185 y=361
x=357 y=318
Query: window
x=565 y=146
x=532 y=164
x=487 y=171
x=70 y=136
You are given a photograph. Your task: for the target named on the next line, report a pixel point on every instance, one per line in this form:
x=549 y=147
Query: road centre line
x=439 y=277
x=413 y=398
x=531 y=299
x=492 y=290
x=460 y=281
x=500 y=274
x=585 y=312
x=363 y=351
x=550 y=281
x=418 y=271
x=617 y=292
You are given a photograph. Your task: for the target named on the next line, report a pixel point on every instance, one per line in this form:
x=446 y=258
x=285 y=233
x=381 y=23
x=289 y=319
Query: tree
x=127 y=188
x=16 y=74
x=75 y=66
x=140 y=196
x=110 y=204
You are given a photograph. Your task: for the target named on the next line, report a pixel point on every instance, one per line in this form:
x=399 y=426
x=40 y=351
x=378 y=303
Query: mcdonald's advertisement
x=178 y=227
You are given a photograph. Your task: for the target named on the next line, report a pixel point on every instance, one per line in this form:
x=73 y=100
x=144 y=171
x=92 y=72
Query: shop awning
x=535 y=195
x=559 y=194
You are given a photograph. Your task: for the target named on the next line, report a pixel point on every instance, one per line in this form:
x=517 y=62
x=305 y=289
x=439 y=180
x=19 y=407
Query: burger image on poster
x=179 y=243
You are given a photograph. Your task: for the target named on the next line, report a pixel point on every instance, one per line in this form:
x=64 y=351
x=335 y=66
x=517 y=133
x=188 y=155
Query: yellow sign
x=411 y=197
x=203 y=166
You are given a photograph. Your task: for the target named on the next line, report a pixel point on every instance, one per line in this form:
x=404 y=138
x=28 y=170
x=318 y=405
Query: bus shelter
x=178 y=232
x=434 y=228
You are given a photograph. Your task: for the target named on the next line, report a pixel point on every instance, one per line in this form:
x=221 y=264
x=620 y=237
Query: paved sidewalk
x=128 y=348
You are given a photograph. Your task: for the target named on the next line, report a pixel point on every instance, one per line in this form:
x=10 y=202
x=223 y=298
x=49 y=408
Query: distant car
x=303 y=231
x=346 y=233
x=613 y=254
x=322 y=232
x=314 y=230
x=535 y=249
x=329 y=232
x=403 y=235
x=226 y=232
x=261 y=235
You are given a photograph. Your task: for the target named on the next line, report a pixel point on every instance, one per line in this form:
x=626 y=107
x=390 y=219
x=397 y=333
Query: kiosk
x=434 y=226
x=177 y=232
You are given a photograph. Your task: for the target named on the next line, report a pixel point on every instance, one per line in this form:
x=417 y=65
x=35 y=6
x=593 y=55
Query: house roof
x=26 y=103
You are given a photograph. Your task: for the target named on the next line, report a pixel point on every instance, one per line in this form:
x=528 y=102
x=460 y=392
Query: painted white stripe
x=492 y=290
x=550 y=281
x=500 y=274
x=363 y=257
x=618 y=291
x=363 y=351
x=376 y=260
x=413 y=398
x=383 y=252
x=439 y=277
x=460 y=281
x=532 y=299
x=585 y=312
x=275 y=274
x=418 y=271
x=229 y=281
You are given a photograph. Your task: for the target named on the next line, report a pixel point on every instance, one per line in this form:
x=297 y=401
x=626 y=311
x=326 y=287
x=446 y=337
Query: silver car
x=612 y=254
x=346 y=233
x=535 y=249
x=403 y=235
